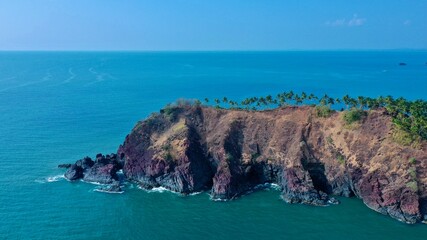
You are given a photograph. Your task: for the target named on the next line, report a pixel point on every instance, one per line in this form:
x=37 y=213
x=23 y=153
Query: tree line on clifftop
x=409 y=117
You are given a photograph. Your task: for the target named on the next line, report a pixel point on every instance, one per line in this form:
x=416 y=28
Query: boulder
x=74 y=173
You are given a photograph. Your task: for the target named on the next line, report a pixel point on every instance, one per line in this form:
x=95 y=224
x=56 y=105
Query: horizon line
x=209 y=50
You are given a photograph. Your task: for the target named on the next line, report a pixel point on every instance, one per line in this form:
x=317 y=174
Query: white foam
x=106 y=191
x=159 y=189
x=50 y=179
x=46 y=77
x=71 y=77
x=95 y=183
x=275 y=186
x=194 y=193
x=55 y=178
x=218 y=199
x=99 y=76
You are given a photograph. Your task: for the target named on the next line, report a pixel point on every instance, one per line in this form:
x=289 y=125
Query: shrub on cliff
x=353 y=115
x=323 y=111
x=405 y=138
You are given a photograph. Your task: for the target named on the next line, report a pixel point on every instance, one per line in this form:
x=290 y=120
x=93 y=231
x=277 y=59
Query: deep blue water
x=57 y=107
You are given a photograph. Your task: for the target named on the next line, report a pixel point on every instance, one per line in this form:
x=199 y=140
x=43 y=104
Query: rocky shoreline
x=189 y=149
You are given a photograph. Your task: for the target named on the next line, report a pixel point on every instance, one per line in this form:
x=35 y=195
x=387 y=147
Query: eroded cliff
x=228 y=152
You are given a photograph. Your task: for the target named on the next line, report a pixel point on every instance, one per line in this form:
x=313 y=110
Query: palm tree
x=217 y=101
x=289 y=96
x=361 y=101
x=331 y=101
x=380 y=101
x=303 y=96
x=346 y=100
x=312 y=97
x=269 y=99
x=262 y=101
x=297 y=99
x=233 y=104
x=324 y=100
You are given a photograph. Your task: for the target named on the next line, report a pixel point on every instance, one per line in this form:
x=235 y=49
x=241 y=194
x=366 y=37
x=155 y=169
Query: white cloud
x=338 y=22
x=353 y=22
x=356 y=21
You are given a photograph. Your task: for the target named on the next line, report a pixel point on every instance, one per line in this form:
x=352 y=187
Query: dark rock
x=188 y=170
x=402 y=64
x=402 y=203
x=231 y=152
x=102 y=160
x=298 y=188
x=64 y=165
x=103 y=170
x=333 y=201
x=101 y=173
x=85 y=163
x=74 y=172
x=228 y=182
x=114 y=187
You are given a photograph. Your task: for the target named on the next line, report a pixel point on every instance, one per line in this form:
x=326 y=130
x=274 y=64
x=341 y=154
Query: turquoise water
x=60 y=106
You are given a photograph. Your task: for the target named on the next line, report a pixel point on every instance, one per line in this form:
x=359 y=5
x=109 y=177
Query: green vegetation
x=412 y=160
x=323 y=111
x=172 y=110
x=354 y=115
x=413 y=173
x=341 y=158
x=166 y=147
x=413 y=185
x=409 y=117
x=168 y=156
x=254 y=156
x=404 y=138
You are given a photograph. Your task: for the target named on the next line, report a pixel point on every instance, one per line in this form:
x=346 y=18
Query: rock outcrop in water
x=103 y=170
x=229 y=152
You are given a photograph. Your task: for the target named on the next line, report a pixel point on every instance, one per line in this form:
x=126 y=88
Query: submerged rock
x=114 y=187
x=64 y=165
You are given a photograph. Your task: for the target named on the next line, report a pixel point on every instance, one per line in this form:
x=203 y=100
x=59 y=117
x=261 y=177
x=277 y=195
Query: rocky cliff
x=229 y=152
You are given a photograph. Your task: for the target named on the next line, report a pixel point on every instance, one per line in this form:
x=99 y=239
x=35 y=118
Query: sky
x=211 y=25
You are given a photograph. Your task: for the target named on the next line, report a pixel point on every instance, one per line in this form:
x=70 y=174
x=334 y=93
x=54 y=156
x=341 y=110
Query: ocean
x=57 y=107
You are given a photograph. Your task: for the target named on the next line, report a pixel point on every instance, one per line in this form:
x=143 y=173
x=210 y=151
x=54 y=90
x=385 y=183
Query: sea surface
x=57 y=107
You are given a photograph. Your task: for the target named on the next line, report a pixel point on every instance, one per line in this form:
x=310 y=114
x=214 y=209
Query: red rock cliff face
x=229 y=152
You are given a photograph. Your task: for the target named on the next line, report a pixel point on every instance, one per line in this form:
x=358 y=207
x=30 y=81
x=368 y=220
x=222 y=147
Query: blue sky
x=212 y=24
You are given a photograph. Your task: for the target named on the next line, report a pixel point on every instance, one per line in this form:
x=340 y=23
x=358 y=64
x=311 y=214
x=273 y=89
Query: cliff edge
x=229 y=152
